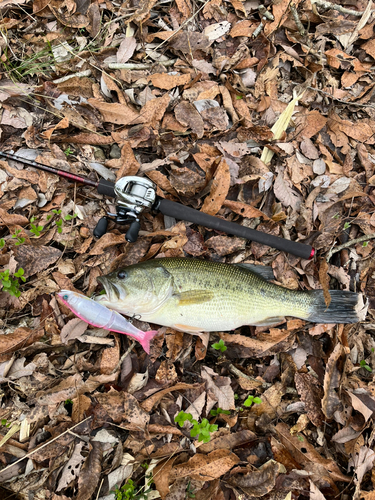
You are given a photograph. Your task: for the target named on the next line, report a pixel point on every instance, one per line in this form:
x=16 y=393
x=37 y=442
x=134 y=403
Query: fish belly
x=222 y=313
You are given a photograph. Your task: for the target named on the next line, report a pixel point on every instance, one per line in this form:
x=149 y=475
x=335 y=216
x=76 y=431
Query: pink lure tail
x=145 y=342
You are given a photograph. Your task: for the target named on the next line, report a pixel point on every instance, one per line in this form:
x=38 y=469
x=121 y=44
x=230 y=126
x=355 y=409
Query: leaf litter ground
x=189 y=95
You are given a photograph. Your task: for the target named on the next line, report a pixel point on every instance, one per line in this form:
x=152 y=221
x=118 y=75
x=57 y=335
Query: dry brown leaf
x=168 y=82
x=21 y=337
x=360 y=131
x=106 y=241
x=306 y=455
x=110 y=357
x=187 y=115
x=265 y=344
x=225 y=245
x=324 y=280
x=126 y=49
x=162 y=181
x=149 y=403
x=113 y=112
x=153 y=111
x=161 y=476
x=220 y=387
x=228 y=441
x=309 y=124
x=127 y=164
x=244 y=209
x=123 y=409
x=332 y=377
x=74 y=329
x=206 y=467
x=90 y=473
x=27 y=175
x=219 y=189
x=360 y=406
x=258 y=483
x=311 y=394
x=75 y=20
x=243 y=28
x=35 y=259
x=12 y=219
x=185 y=7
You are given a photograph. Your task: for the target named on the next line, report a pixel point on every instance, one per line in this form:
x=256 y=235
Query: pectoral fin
x=191 y=297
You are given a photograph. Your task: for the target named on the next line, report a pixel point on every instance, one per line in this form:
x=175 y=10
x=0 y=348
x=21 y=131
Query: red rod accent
x=61 y=173
x=312 y=254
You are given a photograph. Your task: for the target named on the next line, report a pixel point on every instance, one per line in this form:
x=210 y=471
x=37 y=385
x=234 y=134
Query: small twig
x=140 y=66
x=349 y=244
x=266 y=14
x=44 y=445
x=79 y=74
x=123 y=357
x=258 y=30
x=297 y=20
x=339 y=8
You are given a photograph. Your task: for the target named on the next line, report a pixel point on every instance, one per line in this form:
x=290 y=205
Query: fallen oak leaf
x=206 y=467
x=74 y=329
x=187 y=115
x=150 y=402
x=311 y=393
x=35 y=259
x=306 y=455
x=168 y=82
x=228 y=441
x=260 y=482
x=123 y=409
x=27 y=175
x=12 y=219
x=244 y=209
x=90 y=473
x=106 y=241
x=21 y=337
x=219 y=189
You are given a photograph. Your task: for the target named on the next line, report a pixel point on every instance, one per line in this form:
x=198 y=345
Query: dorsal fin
x=265 y=272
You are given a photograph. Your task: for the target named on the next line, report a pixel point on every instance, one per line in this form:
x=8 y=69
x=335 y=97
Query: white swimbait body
x=96 y=314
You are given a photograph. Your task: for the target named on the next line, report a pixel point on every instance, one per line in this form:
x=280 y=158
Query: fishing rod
x=135 y=194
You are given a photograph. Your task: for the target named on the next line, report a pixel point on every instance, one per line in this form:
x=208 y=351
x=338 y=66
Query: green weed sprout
x=250 y=400
x=10 y=282
x=220 y=346
x=128 y=492
x=60 y=222
x=189 y=491
x=364 y=365
x=19 y=239
x=219 y=411
x=202 y=430
x=2 y=243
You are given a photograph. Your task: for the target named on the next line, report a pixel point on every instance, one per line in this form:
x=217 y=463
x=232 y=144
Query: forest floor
x=187 y=94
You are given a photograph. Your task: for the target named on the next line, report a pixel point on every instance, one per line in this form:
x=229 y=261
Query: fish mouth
x=113 y=292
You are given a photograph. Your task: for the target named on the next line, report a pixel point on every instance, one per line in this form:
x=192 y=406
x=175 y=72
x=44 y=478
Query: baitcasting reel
x=133 y=195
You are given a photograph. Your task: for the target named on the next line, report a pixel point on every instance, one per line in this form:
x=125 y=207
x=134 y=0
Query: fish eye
x=122 y=275
x=65 y=297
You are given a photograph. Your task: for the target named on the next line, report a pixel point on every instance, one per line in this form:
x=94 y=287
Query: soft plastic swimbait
x=96 y=314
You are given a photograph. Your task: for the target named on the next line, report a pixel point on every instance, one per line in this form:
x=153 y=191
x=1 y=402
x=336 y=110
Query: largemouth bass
x=195 y=296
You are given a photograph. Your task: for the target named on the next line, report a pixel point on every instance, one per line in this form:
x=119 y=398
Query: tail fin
x=345 y=307
x=145 y=342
